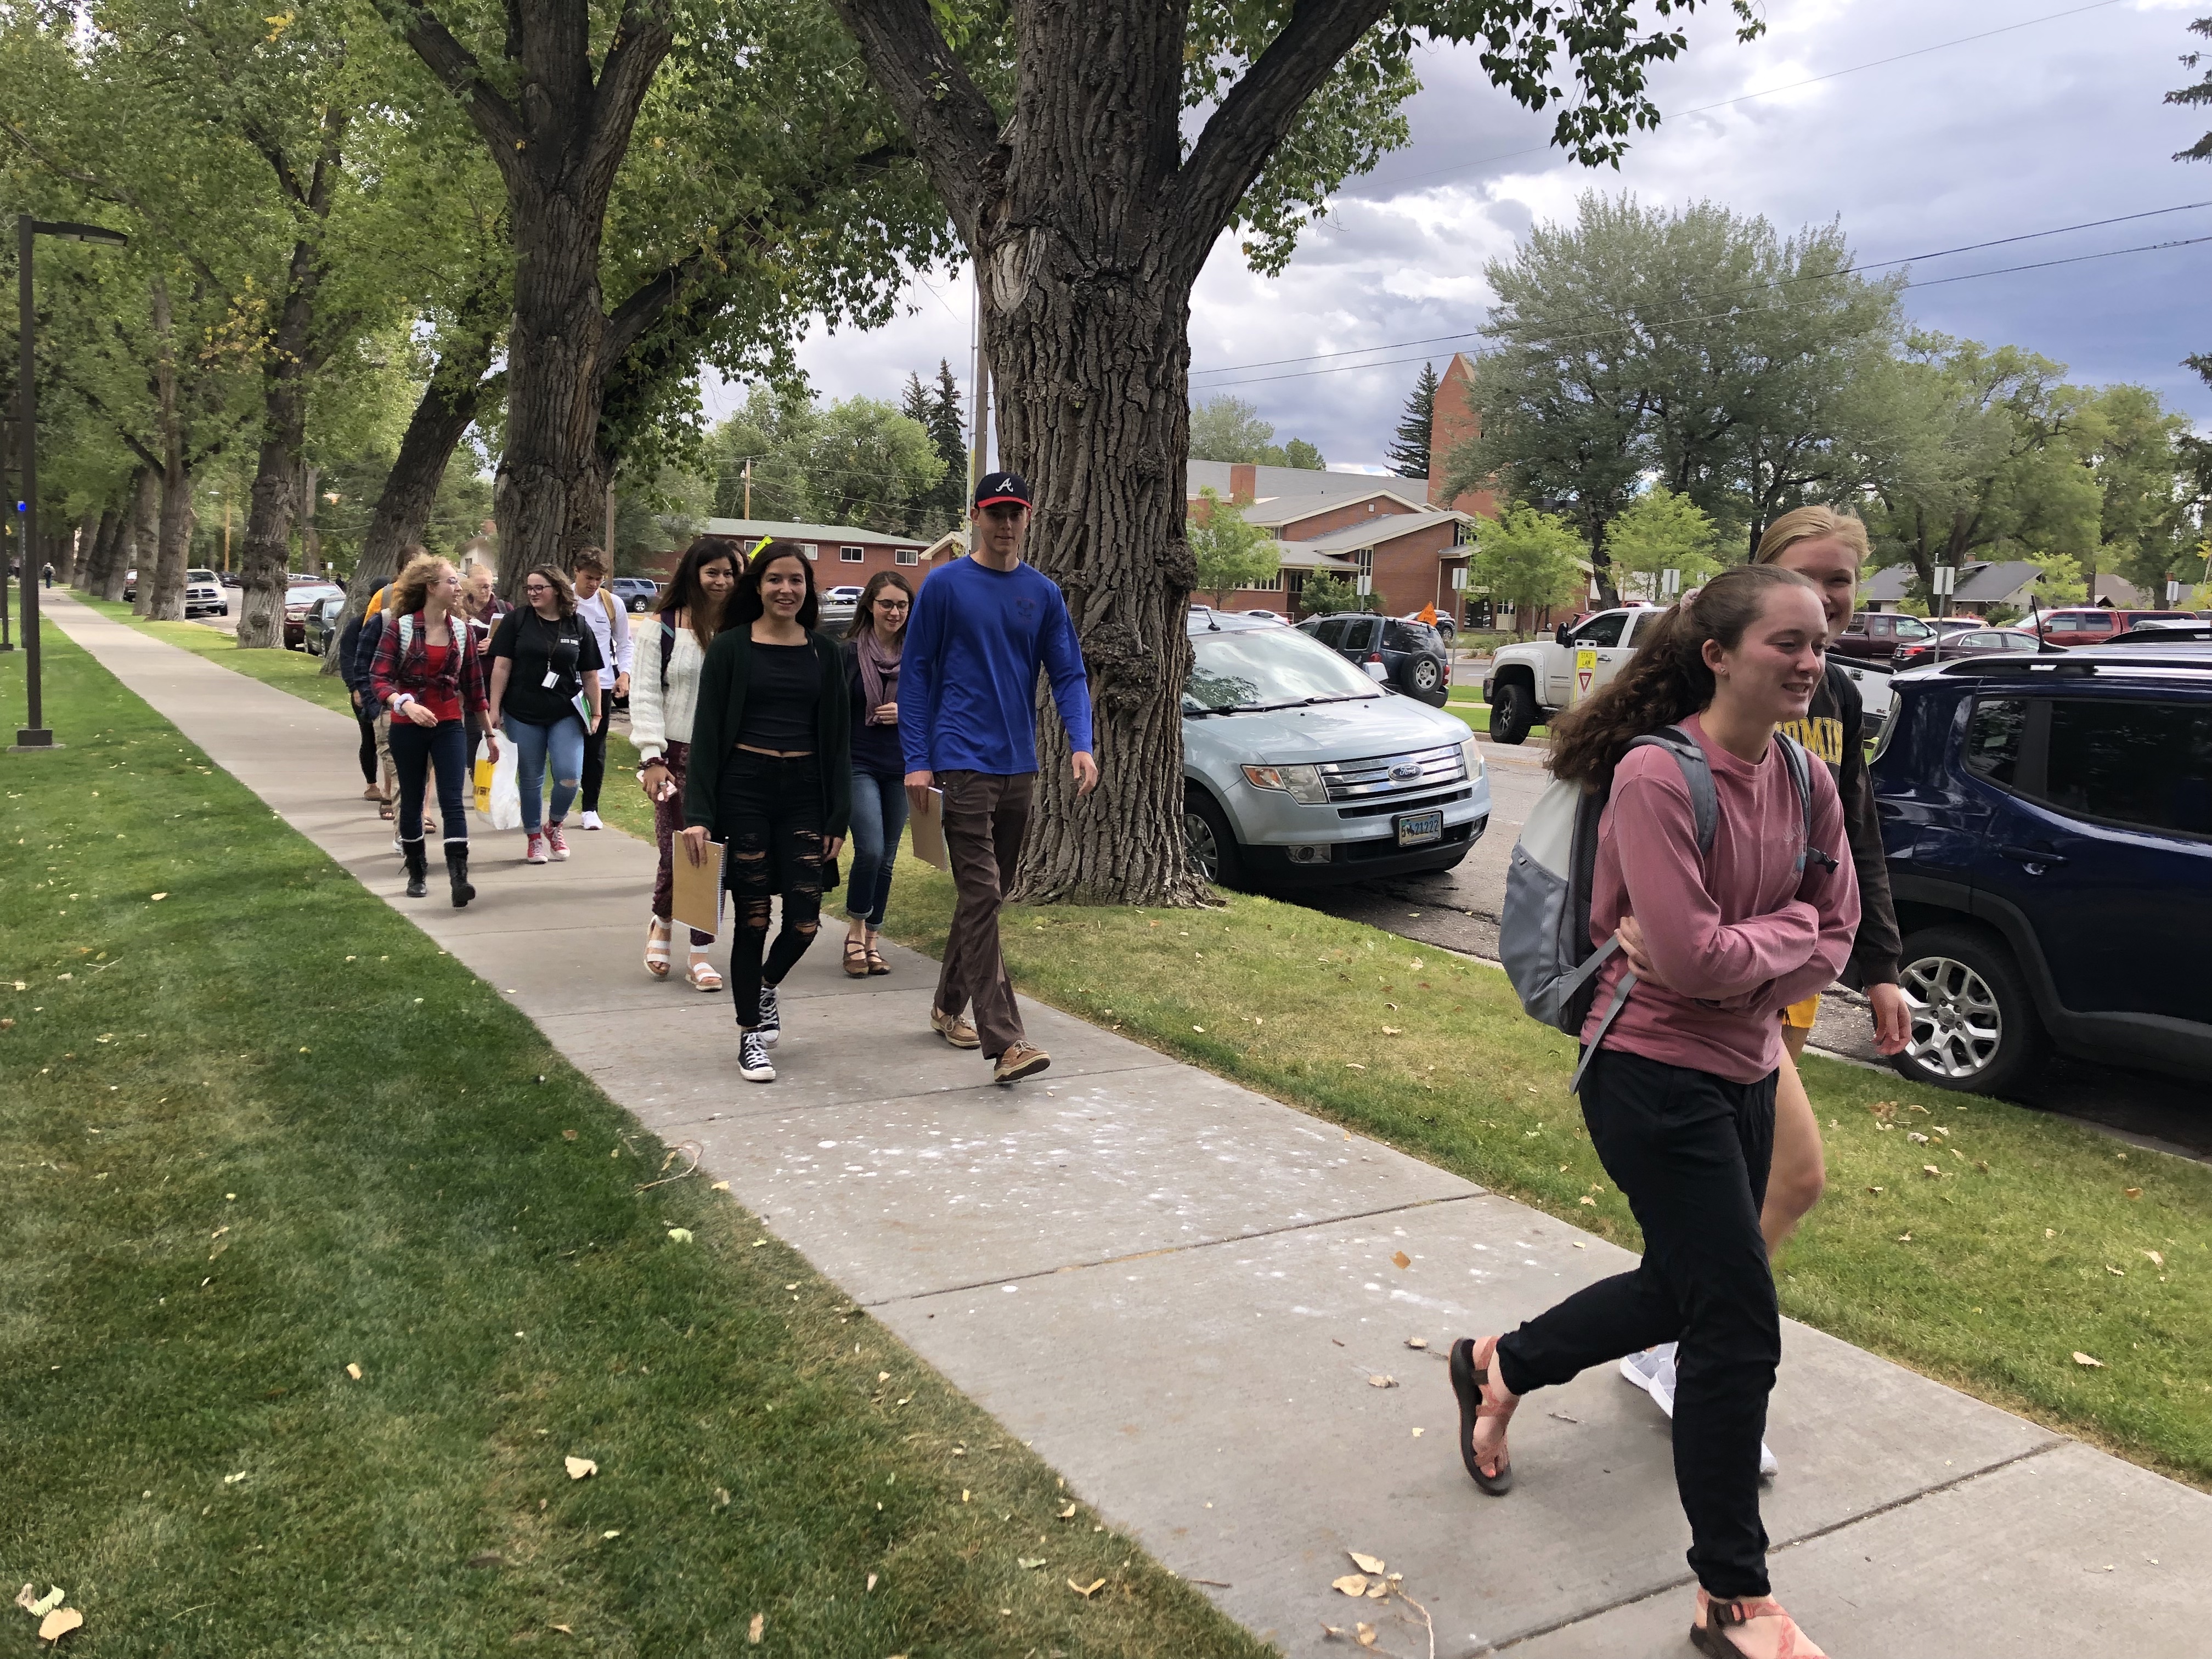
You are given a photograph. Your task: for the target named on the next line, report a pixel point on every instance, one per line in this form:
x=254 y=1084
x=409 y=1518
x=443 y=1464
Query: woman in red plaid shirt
x=429 y=679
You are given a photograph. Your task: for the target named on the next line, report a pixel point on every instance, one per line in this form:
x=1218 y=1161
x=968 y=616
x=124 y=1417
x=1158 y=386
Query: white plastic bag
x=506 y=797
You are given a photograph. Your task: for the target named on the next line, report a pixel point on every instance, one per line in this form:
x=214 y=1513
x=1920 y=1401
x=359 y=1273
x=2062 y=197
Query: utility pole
x=611 y=527
x=749 y=487
x=979 y=402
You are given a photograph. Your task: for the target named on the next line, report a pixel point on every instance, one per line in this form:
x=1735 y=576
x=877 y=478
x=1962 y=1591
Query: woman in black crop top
x=771 y=777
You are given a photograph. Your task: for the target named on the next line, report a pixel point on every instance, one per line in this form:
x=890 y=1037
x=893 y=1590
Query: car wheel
x=1424 y=675
x=1973 y=1023
x=1210 y=843
x=1512 y=712
x=636 y=604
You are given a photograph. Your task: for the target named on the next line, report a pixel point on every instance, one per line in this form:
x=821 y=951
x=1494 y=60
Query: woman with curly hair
x=664 y=692
x=545 y=687
x=1679 y=1095
x=425 y=674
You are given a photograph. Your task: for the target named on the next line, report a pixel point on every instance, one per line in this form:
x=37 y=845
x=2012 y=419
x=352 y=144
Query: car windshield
x=300 y=596
x=199 y=575
x=1267 y=668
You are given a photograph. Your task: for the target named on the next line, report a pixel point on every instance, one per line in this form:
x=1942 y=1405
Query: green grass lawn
x=1468 y=705
x=256 y=1129
x=290 y=671
x=2032 y=1237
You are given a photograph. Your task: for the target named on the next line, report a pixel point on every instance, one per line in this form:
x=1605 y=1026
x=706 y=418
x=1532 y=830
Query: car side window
x=1993 y=738
x=1880 y=628
x=1331 y=632
x=1908 y=628
x=1600 y=630
x=2145 y=764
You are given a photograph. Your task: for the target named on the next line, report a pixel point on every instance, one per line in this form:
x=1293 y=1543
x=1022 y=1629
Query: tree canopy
x=1227 y=428
x=1230 y=553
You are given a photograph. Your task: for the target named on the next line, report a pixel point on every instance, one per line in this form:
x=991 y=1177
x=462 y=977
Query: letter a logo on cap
x=996 y=487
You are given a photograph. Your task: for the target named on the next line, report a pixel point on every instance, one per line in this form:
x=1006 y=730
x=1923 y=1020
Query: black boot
x=418 y=867
x=456 y=868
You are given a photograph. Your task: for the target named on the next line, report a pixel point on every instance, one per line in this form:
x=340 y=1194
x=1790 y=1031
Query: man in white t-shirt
x=604 y=615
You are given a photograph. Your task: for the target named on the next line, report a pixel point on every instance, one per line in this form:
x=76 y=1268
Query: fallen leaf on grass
x=59 y=1623
x=1353 y=1584
x=565 y=1630
x=679 y=1235
x=568 y=1134
x=1916 y=1137
x=1365 y=1563
x=1029 y=1563
x=2157 y=1260
x=1875 y=1189
x=2088 y=1361
x=759 y=1623
x=1904 y=1238
x=2116 y=1272
x=872 y=1581
x=158 y=897
x=719 y=1187
x=2131 y=1192
x=1586 y=1199
x=1068 y=1514
x=580 y=1466
x=1086 y=1592
x=1399 y=1259
x=354 y=1372
x=1355 y=1066
x=1930 y=1169
x=1394 y=1030
x=40 y=1606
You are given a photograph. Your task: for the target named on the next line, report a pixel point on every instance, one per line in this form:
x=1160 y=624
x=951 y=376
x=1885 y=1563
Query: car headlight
x=1300 y=783
x=1473 y=747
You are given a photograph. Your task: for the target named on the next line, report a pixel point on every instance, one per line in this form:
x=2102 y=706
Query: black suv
x=1409 y=656
x=2049 y=827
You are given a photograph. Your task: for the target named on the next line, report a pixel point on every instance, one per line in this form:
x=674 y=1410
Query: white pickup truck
x=1528 y=684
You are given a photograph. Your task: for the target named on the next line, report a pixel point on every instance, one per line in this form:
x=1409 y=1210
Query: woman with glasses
x=545 y=696
x=879 y=804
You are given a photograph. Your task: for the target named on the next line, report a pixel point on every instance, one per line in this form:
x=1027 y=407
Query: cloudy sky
x=2052 y=118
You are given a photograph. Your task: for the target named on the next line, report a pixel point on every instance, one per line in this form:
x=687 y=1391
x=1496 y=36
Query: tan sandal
x=1717 y=1619
x=703 y=975
x=656 y=949
x=856 y=958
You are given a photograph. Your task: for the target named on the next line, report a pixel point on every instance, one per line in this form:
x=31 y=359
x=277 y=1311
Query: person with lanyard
x=1683 y=1049
x=879 y=805
x=609 y=624
x=770 y=776
x=967 y=718
x=425 y=674
x=1826 y=548
x=545 y=696
x=663 y=697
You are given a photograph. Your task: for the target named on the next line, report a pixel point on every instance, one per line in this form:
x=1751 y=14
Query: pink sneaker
x=555 y=842
x=535 y=852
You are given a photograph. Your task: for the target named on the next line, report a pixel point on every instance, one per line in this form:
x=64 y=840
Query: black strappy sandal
x=1469 y=1377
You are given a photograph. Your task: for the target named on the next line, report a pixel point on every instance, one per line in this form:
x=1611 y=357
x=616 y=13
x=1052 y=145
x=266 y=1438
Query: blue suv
x=2049 y=827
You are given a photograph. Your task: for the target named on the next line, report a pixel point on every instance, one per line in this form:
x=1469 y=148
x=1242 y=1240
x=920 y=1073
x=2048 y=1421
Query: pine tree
x=1408 y=454
x=949 y=434
x=914 y=402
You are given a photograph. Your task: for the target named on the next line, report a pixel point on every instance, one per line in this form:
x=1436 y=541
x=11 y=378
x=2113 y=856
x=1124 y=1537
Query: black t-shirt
x=565 y=649
x=783 y=698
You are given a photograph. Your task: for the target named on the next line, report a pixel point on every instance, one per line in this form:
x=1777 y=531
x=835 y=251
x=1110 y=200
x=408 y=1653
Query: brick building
x=842 y=555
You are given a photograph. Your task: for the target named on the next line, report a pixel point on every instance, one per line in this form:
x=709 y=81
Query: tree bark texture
x=442 y=419
x=558 y=144
x=134 y=538
x=160 y=594
x=1089 y=226
x=65 y=567
x=95 y=548
x=289 y=361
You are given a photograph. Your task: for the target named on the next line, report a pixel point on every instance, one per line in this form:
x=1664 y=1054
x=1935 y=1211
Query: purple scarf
x=879 y=671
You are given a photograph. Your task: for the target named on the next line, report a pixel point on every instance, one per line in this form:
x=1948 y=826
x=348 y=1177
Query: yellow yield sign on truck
x=1585 y=670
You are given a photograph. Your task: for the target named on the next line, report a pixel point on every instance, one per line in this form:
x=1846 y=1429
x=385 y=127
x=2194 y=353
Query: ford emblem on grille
x=1405 y=772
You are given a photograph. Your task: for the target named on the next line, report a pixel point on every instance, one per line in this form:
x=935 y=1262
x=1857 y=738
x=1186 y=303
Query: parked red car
x=299 y=600
x=2092 y=624
x=1970 y=642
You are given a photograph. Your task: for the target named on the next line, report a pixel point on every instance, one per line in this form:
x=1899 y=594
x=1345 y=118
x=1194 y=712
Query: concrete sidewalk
x=1179 y=1292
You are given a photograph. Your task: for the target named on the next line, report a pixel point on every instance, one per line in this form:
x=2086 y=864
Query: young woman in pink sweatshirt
x=1680 y=1095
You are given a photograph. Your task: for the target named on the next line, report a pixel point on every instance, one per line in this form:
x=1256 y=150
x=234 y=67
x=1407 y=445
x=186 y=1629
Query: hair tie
x=757 y=547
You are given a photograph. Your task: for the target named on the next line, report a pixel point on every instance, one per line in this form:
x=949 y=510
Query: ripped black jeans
x=769 y=813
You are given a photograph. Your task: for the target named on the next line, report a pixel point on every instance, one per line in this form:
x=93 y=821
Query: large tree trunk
x=442 y=419
x=65 y=567
x=174 y=549
x=89 y=566
x=279 y=480
x=134 y=538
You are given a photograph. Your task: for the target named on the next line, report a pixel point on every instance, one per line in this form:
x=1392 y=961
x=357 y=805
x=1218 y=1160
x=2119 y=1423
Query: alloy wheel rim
x=1957 y=1029
x=1199 y=842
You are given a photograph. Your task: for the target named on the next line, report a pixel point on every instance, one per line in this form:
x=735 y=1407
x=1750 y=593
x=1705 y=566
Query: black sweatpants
x=364 y=716
x=1691 y=1152
x=595 y=752
x=769 y=811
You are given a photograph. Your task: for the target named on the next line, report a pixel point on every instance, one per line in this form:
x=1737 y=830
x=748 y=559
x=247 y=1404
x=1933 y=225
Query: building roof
x=1383 y=527
x=1311 y=556
x=755 y=528
x=1980 y=583
x=1273 y=482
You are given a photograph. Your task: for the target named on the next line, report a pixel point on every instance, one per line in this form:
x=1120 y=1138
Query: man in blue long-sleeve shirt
x=982 y=627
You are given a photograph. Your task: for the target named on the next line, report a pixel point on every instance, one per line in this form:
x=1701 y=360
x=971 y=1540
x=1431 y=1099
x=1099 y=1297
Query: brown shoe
x=954 y=1029
x=1022 y=1060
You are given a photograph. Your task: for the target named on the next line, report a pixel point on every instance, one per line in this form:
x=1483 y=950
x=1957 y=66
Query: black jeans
x=1690 y=1151
x=364 y=716
x=769 y=811
x=417 y=750
x=595 y=751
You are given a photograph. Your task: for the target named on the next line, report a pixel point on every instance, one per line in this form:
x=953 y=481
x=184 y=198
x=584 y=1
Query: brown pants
x=985 y=818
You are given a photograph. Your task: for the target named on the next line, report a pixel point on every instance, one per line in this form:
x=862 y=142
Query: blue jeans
x=418 y=752
x=562 y=741
x=879 y=812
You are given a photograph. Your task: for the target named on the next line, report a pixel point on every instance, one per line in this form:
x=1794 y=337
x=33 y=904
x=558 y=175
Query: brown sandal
x=1471 y=1368
x=1709 y=1634
x=856 y=951
x=383 y=809
x=876 y=963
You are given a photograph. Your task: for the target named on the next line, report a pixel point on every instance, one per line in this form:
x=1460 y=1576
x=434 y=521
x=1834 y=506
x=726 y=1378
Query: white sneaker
x=753 y=1064
x=592 y=821
x=1653 y=1372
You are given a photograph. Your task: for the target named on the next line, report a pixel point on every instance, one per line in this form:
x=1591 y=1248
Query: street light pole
x=34 y=735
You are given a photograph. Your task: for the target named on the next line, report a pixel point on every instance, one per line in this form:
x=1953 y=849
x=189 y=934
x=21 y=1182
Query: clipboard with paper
x=697 y=899
x=926 y=827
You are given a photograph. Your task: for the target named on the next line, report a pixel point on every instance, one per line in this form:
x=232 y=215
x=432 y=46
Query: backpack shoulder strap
x=406 y=632
x=1697 y=778
x=1794 y=756
x=607 y=603
x=667 y=645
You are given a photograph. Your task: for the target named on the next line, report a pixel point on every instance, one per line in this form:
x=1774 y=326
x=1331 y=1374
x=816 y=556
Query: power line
x=1746 y=97
x=1933 y=281
x=1816 y=276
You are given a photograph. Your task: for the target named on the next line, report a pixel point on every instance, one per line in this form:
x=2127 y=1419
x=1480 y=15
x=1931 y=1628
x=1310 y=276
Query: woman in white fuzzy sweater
x=663 y=692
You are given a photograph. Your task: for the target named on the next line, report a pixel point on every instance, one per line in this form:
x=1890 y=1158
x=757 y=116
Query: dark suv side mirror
x=1559 y=634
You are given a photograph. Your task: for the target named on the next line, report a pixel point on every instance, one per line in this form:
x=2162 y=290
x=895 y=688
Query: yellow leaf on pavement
x=1364 y=1562
x=1399 y=1259
x=1353 y=1584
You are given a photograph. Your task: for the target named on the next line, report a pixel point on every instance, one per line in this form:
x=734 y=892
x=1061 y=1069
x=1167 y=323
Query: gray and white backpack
x=1543 y=936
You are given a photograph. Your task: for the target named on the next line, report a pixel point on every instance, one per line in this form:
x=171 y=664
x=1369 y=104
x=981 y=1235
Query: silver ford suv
x=1298 y=768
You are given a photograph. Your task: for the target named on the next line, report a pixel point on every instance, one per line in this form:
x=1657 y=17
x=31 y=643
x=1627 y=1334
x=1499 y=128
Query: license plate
x=1418 y=828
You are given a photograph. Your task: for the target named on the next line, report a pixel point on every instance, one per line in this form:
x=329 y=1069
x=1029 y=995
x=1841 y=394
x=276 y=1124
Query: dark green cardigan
x=721 y=715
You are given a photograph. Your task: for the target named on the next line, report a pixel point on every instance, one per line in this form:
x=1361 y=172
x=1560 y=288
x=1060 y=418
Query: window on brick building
x=909 y=555
x=852 y=555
